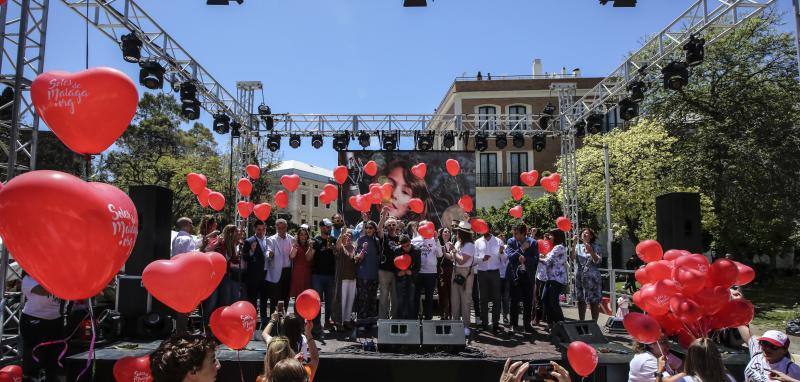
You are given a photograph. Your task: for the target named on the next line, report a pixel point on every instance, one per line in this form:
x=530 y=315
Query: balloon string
x=65 y=341
x=90 y=356
x=433 y=204
x=239 y=362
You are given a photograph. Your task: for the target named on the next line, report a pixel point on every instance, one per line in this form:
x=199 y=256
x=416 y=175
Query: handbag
x=461 y=279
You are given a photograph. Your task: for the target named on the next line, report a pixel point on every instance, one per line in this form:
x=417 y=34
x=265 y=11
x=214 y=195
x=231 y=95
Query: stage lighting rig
x=190 y=109
x=695 y=50
x=449 y=140
x=222 y=124
x=364 y=139
x=539 y=142
x=265 y=113
x=628 y=109
x=424 y=140
x=390 y=141
x=294 y=141
x=236 y=129
x=500 y=140
x=341 y=141
x=188 y=91
x=676 y=75
x=151 y=75
x=518 y=139
x=594 y=123
x=316 y=141
x=131 y=48
x=636 y=90
x=548 y=112
x=481 y=143
x=274 y=142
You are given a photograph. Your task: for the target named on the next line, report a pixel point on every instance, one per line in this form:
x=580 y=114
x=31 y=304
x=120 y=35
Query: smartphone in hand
x=539 y=372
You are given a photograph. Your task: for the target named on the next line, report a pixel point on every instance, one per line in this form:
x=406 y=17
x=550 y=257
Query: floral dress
x=588 y=282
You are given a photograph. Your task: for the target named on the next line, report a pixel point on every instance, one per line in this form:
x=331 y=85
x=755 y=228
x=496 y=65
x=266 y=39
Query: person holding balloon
x=369 y=248
x=254 y=254
x=523 y=254
x=406 y=277
x=556 y=263
x=346 y=268
x=445 y=271
x=703 y=363
x=463 y=257
x=207 y=231
x=301 y=256
x=41 y=322
x=230 y=288
x=647 y=361
x=279 y=349
x=544 y=245
x=588 y=281
x=323 y=269
x=279 y=263
x=431 y=252
x=390 y=238
x=770 y=358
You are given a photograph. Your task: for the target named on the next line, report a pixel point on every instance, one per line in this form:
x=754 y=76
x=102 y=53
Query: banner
x=438 y=191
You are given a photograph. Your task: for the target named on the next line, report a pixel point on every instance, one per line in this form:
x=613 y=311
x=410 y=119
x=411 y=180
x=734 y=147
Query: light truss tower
x=120 y=17
x=245 y=148
x=23 y=31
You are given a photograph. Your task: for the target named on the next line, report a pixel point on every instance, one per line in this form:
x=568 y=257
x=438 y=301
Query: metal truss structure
x=245 y=148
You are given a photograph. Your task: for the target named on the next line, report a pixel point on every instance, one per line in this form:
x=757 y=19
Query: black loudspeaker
x=678 y=221
x=566 y=332
x=154 y=207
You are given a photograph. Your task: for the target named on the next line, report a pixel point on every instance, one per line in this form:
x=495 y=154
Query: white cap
x=775 y=337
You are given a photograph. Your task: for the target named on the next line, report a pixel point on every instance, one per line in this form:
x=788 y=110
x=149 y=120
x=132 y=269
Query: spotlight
x=6 y=98
x=188 y=91
x=131 y=48
x=221 y=124
x=425 y=141
x=500 y=140
x=316 y=141
x=676 y=75
x=594 y=123
x=190 y=109
x=341 y=141
x=274 y=142
x=265 y=113
x=364 y=139
x=636 y=90
x=236 y=129
x=449 y=140
x=580 y=128
x=695 y=50
x=294 y=141
x=390 y=140
x=539 y=142
x=480 y=141
x=415 y=3
x=518 y=139
x=548 y=112
x=151 y=75
x=628 y=109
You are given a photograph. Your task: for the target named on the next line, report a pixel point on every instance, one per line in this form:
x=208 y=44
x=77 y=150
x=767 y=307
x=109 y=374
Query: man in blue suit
x=523 y=258
x=255 y=248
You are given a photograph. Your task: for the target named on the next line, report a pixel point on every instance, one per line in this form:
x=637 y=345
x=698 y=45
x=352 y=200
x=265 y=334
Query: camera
x=539 y=372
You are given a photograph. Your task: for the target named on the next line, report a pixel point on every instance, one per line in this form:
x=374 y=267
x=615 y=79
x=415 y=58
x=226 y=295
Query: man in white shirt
x=184 y=241
x=489 y=253
x=279 y=264
x=431 y=252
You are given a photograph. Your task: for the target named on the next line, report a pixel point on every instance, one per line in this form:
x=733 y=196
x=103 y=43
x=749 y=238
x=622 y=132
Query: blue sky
x=374 y=56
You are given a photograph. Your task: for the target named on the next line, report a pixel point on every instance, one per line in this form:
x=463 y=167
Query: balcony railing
x=498 y=179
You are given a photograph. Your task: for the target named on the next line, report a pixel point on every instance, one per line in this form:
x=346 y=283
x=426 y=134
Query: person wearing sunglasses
x=770 y=359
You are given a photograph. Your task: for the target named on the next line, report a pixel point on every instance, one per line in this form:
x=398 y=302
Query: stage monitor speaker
x=443 y=333
x=678 y=221
x=154 y=208
x=586 y=331
x=398 y=333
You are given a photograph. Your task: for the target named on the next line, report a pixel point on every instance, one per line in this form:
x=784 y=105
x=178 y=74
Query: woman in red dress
x=302 y=253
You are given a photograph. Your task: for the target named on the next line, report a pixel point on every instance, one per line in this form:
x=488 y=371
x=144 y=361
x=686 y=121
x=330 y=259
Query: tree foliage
x=540 y=213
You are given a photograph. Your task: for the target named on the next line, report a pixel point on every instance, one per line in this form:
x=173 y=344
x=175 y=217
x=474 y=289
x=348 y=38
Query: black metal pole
x=230 y=198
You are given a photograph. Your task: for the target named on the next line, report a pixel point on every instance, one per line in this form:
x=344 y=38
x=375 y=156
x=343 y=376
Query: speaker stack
x=678 y=221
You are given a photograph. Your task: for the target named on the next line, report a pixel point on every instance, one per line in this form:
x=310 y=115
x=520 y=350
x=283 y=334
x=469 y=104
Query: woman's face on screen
x=401 y=194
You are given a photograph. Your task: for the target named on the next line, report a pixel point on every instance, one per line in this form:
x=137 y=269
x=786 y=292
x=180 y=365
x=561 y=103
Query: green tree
x=736 y=128
x=539 y=212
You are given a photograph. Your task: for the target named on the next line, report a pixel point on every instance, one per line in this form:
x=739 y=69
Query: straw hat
x=464 y=226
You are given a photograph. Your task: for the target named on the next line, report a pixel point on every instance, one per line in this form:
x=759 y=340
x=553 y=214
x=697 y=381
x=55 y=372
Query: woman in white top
x=431 y=251
x=538 y=288
x=41 y=322
x=556 y=264
x=703 y=364
x=645 y=363
x=463 y=257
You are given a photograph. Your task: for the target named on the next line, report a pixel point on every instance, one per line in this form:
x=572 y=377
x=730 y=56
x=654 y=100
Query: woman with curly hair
x=185 y=358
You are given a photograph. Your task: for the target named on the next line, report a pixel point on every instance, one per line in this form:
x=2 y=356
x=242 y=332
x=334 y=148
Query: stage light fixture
x=265 y=113
x=190 y=109
x=481 y=143
x=236 y=129
x=500 y=140
x=390 y=140
x=264 y=110
x=341 y=141
x=449 y=140
x=548 y=112
x=539 y=142
x=676 y=75
x=636 y=90
x=151 y=75
x=316 y=141
x=628 y=109
x=131 y=48
x=518 y=139
x=695 y=50
x=594 y=123
x=425 y=141
x=294 y=141
x=222 y=124
x=364 y=139
x=415 y=3
x=188 y=91
x=580 y=128
x=274 y=142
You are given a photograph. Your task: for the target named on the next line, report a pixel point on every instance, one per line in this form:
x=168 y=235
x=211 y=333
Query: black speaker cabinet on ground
x=570 y=331
x=678 y=221
x=154 y=207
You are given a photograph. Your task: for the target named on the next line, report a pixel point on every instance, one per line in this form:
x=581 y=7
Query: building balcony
x=498 y=179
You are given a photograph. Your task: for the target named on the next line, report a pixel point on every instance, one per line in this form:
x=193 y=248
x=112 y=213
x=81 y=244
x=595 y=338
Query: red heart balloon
x=96 y=225
x=564 y=224
x=582 y=358
x=685 y=308
x=517 y=192
x=364 y=203
x=670 y=324
x=281 y=199
x=674 y=254
x=132 y=369
x=479 y=226
x=402 y=262
x=87 y=110
x=641 y=276
x=516 y=212
x=216 y=200
x=307 y=304
x=733 y=313
x=386 y=192
x=245 y=187
x=290 y=182
x=244 y=209
x=181 y=282
x=556 y=177
x=202 y=197
x=416 y=205
x=712 y=299
x=694 y=261
x=685 y=338
x=649 y=251
x=323 y=197
x=371 y=168
x=658 y=270
x=196 y=182
x=549 y=184
x=353 y=202
x=466 y=203
x=234 y=325
x=332 y=191
x=453 y=167
x=723 y=272
x=375 y=194
x=545 y=246
x=11 y=373
x=253 y=171
x=642 y=327
x=746 y=274
x=427 y=230
x=691 y=280
x=262 y=211
x=218 y=267
x=419 y=170
x=340 y=174
x=656 y=299
x=529 y=178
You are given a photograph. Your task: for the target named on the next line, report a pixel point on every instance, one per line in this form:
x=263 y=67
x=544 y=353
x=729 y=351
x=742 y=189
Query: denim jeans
x=324 y=285
x=405 y=297
x=552 y=305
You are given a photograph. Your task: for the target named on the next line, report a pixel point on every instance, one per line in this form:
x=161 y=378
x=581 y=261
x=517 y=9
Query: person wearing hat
x=463 y=258
x=770 y=359
x=323 y=269
x=645 y=364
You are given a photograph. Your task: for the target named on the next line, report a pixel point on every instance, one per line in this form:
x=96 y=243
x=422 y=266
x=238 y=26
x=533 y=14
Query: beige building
x=304 y=204
x=498 y=102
